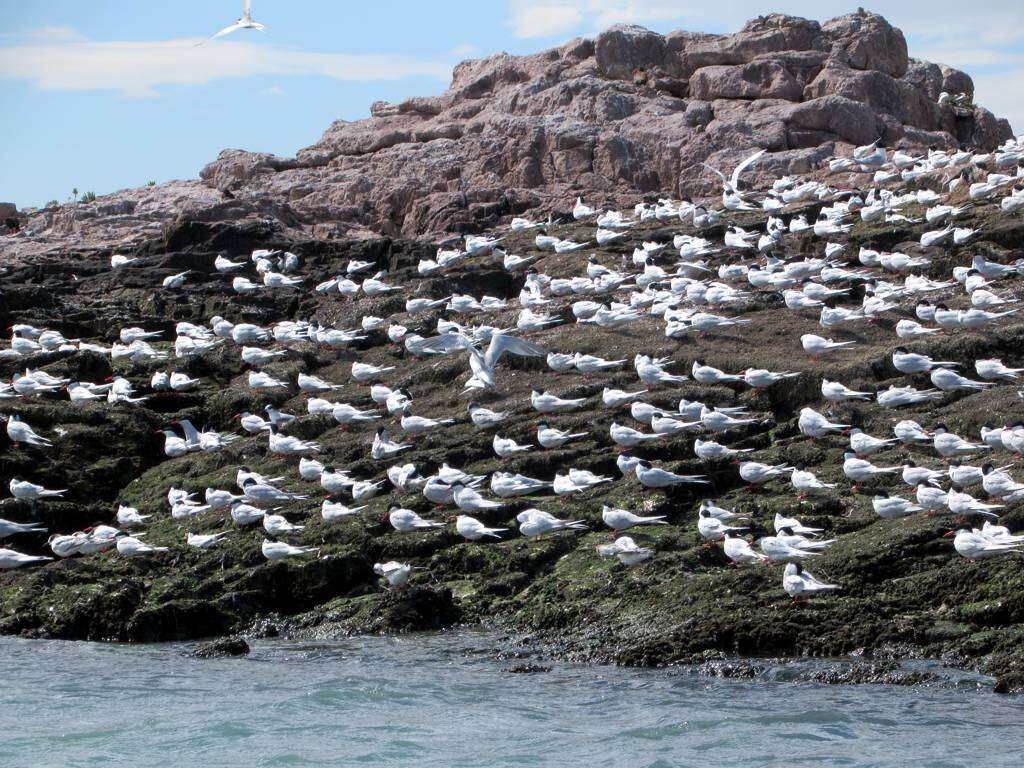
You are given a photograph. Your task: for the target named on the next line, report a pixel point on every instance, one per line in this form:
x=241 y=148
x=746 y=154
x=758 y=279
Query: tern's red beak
x=949 y=534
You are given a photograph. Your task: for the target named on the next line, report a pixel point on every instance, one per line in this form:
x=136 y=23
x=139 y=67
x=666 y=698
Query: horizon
x=116 y=110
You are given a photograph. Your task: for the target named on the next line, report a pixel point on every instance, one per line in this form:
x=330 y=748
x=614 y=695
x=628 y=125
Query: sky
x=107 y=94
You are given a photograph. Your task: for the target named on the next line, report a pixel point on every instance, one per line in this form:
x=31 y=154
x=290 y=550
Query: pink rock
x=767 y=79
x=629 y=113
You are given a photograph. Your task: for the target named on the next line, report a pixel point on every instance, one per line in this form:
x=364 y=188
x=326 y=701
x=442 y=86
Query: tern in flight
x=245 y=22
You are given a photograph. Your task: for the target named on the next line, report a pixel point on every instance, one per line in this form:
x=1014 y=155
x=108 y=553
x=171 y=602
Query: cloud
x=532 y=19
x=140 y=69
x=463 y=51
x=274 y=90
x=45 y=33
x=548 y=18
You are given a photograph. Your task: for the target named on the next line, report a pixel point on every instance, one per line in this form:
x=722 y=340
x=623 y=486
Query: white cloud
x=45 y=33
x=544 y=19
x=139 y=69
x=464 y=51
x=547 y=18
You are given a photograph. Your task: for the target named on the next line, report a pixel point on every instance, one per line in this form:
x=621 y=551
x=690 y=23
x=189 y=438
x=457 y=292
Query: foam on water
x=446 y=700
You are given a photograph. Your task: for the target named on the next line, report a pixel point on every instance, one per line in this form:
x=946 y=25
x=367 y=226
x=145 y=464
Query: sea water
x=451 y=700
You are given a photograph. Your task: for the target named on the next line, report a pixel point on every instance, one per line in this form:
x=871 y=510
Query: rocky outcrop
x=905 y=592
x=630 y=113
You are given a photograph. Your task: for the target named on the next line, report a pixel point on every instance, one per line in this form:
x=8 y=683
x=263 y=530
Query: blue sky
x=106 y=94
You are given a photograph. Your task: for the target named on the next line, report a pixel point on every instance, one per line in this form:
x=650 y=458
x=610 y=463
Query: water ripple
x=443 y=701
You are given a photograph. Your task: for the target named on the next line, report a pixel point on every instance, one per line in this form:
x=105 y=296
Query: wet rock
x=886 y=673
x=177 y=620
x=526 y=669
x=227 y=647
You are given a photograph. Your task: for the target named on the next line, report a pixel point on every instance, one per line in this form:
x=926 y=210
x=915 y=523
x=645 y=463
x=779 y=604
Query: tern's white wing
x=448 y=342
x=226 y=31
x=742 y=166
x=247 y=7
x=500 y=344
x=717 y=172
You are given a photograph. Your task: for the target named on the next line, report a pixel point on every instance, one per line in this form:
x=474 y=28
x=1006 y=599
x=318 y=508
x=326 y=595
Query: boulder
x=954 y=81
x=757 y=80
x=853 y=121
x=983 y=129
x=224 y=648
x=867 y=41
x=878 y=90
x=625 y=48
x=925 y=77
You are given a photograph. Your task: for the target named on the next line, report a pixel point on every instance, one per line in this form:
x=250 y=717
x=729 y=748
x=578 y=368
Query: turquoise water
x=446 y=700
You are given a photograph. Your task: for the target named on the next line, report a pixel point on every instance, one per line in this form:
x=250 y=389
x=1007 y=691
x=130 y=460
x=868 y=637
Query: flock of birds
x=672 y=283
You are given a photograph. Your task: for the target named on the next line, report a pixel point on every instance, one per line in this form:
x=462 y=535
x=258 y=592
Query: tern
x=9 y=559
x=244 y=22
x=627 y=551
x=797 y=582
x=396 y=574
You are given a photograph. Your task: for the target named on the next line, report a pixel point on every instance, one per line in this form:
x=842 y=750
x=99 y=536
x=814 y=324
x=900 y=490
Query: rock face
x=632 y=112
x=905 y=592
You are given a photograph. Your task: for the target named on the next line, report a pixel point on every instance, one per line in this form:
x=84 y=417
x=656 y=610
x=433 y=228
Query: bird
x=534 y=523
x=550 y=437
x=859 y=470
x=129 y=546
x=276 y=551
x=11 y=559
x=469 y=499
x=815 y=425
x=994 y=368
x=799 y=583
x=807 y=483
x=622 y=519
x=739 y=551
x=396 y=574
x=863 y=444
x=406 y=521
x=656 y=477
x=890 y=507
x=616 y=398
x=21 y=433
x=243 y=22
x=482 y=364
x=544 y=402
x=8 y=528
x=485 y=418
x=757 y=473
x=835 y=392
x=22 y=489
x=974 y=545
x=276 y=525
x=948 y=445
x=472 y=529
x=949 y=381
x=709 y=449
x=712 y=529
x=204 y=541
